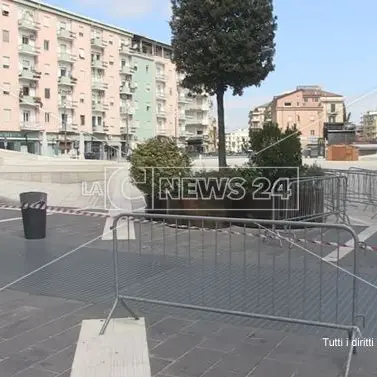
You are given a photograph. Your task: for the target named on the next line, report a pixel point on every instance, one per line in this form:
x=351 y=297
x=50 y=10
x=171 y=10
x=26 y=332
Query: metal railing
x=361 y=186
x=238 y=271
x=313 y=199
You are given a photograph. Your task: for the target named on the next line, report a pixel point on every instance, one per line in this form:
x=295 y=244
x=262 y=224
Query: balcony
x=160 y=77
x=127 y=110
x=66 y=35
x=124 y=50
x=28 y=49
x=126 y=70
x=67 y=80
x=160 y=95
x=28 y=100
x=99 y=107
x=30 y=126
x=106 y=127
x=161 y=114
x=71 y=128
x=67 y=104
x=125 y=90
x=130 y=129
x=29 y=74
x=100 y=64
x=98 y=42
x=28 y=24
x=98 y=129
x=99 y=85
x=182 y=99
x=66 y=57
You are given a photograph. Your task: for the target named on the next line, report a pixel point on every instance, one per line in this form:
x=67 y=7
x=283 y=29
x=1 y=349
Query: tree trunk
x=221 y=128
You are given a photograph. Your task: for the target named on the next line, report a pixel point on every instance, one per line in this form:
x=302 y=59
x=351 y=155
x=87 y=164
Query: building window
x=46 y=45
x=81 y=34
x=46 y=22
x=7 y=115
x=82 y=98
x=26 y=116
x=5 y=10
x=82 y=120
x=25 y=91
x=81 y=53
x=47 y=93
x=6 y=36
x=25 y=40
x=47 y=70
x=147 y=68
x=312 y=132
x=305 y=99
x=6 y=60
x=287 y=104
x=331 y=119
x=6 y=88
x=332 y=107
x=47 y=117
x=315 y=99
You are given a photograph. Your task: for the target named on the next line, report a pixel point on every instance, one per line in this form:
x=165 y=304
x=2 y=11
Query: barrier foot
x=123 y=302
x=351 y=352
x=110 y=315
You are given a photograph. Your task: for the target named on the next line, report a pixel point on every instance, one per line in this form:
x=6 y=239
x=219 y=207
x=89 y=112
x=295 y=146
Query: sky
x=322 y=42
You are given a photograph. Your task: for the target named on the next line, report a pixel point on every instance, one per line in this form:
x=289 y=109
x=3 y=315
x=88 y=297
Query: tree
x=221 y=45
x=282 y=153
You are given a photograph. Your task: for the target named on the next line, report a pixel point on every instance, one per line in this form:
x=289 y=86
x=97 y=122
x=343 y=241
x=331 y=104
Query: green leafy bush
x=158 y=158
x=277 y=153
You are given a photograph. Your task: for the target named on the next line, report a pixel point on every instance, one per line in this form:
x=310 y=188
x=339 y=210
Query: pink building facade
x=69 y=83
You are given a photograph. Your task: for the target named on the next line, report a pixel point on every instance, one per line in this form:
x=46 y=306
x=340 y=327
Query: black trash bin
x=34 y=213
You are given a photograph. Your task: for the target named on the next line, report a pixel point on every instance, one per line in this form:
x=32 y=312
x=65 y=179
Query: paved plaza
x=40 y=316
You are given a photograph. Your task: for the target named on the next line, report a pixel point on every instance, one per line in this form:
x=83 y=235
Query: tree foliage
x=223 y=44
x=157 y=158
x=277 y=151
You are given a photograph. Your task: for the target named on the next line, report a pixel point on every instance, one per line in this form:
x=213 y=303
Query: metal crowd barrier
x=313 y=199
x=238 y=272
x=361 y=186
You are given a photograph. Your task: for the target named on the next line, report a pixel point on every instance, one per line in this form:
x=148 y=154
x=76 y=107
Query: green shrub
x=158 y=158
x=277 y=153
x=312 y=171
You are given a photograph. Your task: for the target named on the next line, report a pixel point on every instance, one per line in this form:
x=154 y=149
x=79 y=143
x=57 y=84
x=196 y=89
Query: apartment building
x=368 y=129
x=235 y=141
x=259 y=115
x=69 y=83
x=308 y=107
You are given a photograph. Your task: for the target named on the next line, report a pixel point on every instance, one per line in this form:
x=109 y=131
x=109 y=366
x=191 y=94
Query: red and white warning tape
x=271 y=234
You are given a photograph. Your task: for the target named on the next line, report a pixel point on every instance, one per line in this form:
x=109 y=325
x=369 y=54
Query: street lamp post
x=127 y=129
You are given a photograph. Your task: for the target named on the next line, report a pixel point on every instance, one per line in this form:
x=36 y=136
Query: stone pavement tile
x=37 y=372
x=60 y=361
x=23 y=360
x=294 y=349
x=39 y=334
x=234 y=366
x=194 y=363
x=273 y=368
x=20 y=313
x=62 y=339
x=168 y=326
x=218 y=343
x=176 y=346
x=153 y=343
x=157 y=365
x=202 y=328
x=27 y=324
x=235 y=333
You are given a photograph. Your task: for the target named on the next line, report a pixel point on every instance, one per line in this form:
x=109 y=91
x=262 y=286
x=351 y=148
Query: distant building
x=259 y=115
x=308 y=108
x=236 y=140
x=369 y=125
